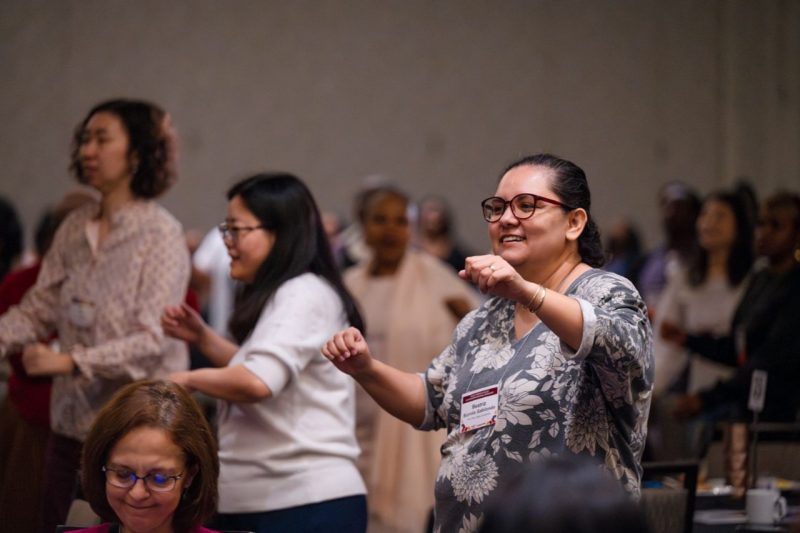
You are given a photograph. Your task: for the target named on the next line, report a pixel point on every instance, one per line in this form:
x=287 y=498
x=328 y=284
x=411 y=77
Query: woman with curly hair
x=112 y=268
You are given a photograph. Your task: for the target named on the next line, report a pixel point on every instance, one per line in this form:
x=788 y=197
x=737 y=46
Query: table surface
x=706 y=503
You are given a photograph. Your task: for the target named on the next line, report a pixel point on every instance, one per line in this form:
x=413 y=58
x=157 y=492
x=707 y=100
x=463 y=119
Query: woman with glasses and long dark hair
x=286 y=416
x=112 y=268
x=764 y=328
x=698 y=299
x=557 y=361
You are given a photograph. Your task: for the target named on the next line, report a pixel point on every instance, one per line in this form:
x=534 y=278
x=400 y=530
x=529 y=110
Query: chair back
x=668 y=496
x=777 y=451
x=81 y=515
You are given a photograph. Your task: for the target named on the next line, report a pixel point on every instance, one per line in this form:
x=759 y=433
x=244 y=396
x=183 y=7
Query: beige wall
x=437 y=95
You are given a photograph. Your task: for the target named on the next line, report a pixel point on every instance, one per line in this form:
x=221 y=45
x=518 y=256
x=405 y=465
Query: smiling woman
x=557 y=361
x=766 y=322
x=150 y=462
x=700 y=298
x=287 y=446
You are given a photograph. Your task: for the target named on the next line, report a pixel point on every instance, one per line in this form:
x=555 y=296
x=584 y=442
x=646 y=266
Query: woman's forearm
x=235 y=384
x=216 y=348
x=562 y=314
x=401 y=394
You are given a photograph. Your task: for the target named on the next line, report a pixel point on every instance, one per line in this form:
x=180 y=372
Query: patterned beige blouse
x=105 y=304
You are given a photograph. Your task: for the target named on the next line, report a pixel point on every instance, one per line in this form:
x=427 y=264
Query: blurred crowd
x=115 y=292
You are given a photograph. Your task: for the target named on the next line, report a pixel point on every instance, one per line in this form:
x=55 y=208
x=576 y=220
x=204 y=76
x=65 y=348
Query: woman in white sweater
x=699 y=299
x=286 y=416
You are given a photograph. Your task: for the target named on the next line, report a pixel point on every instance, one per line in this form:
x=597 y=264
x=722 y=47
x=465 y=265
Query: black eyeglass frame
x=145 y=478
x=232 y=232
x=510 y=203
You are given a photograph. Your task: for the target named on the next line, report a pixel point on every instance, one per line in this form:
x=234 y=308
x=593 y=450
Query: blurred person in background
x=212 y=282
x=624 y=251
x=335 y=226
x=11 y=238
x=764 y=330
x=679 y=207
x=25 y=412
x=700 y=299
x=112 y=268
x=436 y=232
x=350 y=245
x=411 y=302
x=11 y=248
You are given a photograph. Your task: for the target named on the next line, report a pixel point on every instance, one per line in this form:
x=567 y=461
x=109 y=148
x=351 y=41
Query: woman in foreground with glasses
x=150 y=462
x=558 y=361
x=286 y=416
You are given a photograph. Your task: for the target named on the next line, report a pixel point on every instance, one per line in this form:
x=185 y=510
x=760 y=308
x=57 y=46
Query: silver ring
x=492 y=267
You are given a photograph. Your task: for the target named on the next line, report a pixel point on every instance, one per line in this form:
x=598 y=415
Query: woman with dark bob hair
x=113 y=266
x=286 y=416
x=153 y=432
x=558 y=361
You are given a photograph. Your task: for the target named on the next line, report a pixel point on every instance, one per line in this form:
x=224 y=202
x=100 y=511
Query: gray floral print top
x=553 y=401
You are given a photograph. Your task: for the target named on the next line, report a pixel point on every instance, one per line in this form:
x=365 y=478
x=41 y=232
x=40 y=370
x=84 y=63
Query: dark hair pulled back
x=572 y=188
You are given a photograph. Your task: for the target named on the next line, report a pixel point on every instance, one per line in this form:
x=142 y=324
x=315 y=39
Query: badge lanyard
x=483 y=404
x=479 y=407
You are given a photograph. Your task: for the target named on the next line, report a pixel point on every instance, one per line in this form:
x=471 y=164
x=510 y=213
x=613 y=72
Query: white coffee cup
x=765 y=506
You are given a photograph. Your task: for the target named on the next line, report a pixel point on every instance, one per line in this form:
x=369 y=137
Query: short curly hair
x=163 y=405
x=150 y=138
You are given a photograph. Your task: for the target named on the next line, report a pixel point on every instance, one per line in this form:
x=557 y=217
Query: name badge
x=479 y=408
x=81 y=313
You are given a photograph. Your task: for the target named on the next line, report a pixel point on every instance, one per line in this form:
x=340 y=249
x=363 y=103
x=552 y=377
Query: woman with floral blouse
x=113 y=267
x=557 y=361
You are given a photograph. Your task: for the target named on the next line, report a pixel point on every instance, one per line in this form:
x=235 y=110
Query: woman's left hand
x=184 y=323
x=39 y=360
x=493 y=275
